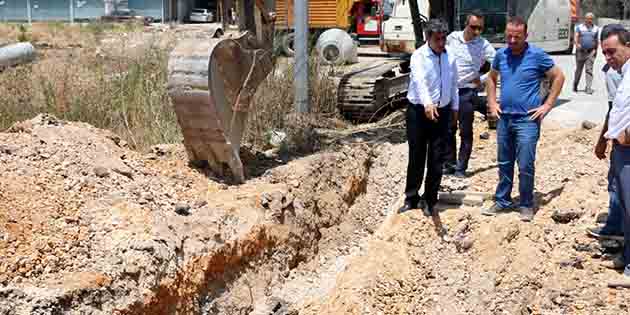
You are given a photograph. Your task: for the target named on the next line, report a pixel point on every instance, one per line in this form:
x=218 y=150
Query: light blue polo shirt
x=521 y=77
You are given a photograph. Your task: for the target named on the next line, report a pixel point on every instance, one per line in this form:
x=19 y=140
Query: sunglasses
x=609 y=51
x=476 y=27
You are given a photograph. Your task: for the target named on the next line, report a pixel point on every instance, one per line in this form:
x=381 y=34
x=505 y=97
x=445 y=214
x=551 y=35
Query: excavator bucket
x=212 y=83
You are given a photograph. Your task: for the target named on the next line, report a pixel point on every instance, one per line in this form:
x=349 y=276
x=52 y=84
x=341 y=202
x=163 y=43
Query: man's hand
x=624 y=137
x=455 y=120
x=539 y=112
x=600 y=148
x=494 y=110
x=431 y=112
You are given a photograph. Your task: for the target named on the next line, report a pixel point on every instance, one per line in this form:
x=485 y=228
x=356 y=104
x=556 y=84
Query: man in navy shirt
x=522 y=68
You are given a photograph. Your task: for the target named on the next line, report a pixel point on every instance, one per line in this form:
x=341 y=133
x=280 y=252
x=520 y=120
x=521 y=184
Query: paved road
x=573 y=108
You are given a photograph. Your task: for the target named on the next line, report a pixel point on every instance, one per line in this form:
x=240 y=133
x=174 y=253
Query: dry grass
x=273 y=107
x=114 y=77
x=122 y=89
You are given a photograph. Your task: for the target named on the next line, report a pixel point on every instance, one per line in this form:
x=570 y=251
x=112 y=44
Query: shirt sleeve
x=545 y=63
x=419 y=78
x=455 y=90
x=489 y=52
x=495 y=63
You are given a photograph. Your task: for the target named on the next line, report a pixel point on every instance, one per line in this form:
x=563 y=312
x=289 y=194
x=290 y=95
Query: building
x=73 y=10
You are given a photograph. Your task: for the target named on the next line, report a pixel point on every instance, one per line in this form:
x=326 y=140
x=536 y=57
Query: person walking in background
x=585 y=52
x=522 y=67
x=432 y=97
x=470 y=52
x=613 y=228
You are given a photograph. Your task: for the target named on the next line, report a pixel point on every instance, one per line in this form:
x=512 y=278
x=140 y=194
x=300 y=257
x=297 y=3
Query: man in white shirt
x=432 y=96
x=585 y=51
x=616 y=49
x=470 y=51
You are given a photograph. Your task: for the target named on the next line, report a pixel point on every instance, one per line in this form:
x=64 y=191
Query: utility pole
x=29 y=12
x=301 y=56
x=71 y=11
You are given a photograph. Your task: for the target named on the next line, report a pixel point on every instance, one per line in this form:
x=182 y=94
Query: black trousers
x=427 y=145
x=469 y=102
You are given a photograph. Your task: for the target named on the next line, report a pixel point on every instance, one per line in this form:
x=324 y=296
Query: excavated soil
x=88 y=226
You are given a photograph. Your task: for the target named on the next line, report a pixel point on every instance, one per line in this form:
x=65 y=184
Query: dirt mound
x=92 y=227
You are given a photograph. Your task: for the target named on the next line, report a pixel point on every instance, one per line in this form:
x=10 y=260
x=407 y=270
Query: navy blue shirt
x=521 y=77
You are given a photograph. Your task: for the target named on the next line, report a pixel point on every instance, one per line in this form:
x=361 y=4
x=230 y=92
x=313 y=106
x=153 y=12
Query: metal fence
x=70 y=10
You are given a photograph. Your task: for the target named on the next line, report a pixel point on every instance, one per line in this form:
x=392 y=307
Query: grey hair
x=615 y=29
x=435 y=26
x=589 y=14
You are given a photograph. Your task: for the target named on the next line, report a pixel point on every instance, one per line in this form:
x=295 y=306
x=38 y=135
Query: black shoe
x=426 y=209
x=406 y=207
x=575 y=88
x=599 y=233
x=448 y=170
x=494 y=210
x=589 y=91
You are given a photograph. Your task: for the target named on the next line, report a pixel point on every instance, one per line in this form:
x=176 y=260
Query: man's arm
x=454 y=89
x=491 y=89
x=557 y=81
x=488 y=55
x=417 y=75
x=576 y=37
x=602 y=142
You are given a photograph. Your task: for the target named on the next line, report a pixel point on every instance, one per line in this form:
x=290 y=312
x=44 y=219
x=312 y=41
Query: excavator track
x=369 y=93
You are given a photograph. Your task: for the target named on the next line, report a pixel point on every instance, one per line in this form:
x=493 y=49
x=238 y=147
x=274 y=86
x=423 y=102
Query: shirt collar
x=428 y=52
x=625 y=68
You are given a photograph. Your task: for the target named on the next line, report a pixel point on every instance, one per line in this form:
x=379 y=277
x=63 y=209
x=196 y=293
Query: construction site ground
x=88 y=226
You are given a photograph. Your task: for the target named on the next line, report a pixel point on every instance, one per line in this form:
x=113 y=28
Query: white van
x=549 y=21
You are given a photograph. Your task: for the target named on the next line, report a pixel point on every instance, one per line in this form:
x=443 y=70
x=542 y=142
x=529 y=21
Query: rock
x=566 y=215
x=484 y=135
x=588 y=125
x=464 y=244
x=101 y=171
x=182 y=209
x=277 y=138
x=575 y=262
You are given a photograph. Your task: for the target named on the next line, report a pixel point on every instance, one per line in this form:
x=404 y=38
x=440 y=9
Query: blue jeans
x=517 y=137
x=614 y=222
x=621 y=174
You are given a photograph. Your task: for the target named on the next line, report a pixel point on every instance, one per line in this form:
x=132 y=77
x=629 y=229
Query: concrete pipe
x=16 y=54
x=336 y=47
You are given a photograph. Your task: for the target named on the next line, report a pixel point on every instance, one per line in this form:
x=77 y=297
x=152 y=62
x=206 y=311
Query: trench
x=244 y=276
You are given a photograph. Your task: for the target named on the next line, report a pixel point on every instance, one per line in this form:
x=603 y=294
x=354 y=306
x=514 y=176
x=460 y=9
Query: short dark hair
x=615 y=29
x=476 y=13
x=517 y=21
x=435 y=26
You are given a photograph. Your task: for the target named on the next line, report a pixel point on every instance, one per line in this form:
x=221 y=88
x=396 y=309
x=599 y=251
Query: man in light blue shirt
x=522 y=67
x=470 y=52
x=432 y=96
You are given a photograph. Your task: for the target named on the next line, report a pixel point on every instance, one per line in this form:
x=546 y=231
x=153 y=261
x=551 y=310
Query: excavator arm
x=212 y=83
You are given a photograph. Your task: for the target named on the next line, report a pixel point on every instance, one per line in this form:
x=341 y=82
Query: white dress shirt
x=469 y=57
x=619 y=119
x=433 y=79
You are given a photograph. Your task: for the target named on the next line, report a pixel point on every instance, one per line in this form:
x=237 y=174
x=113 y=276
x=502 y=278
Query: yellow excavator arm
x=212 y=83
